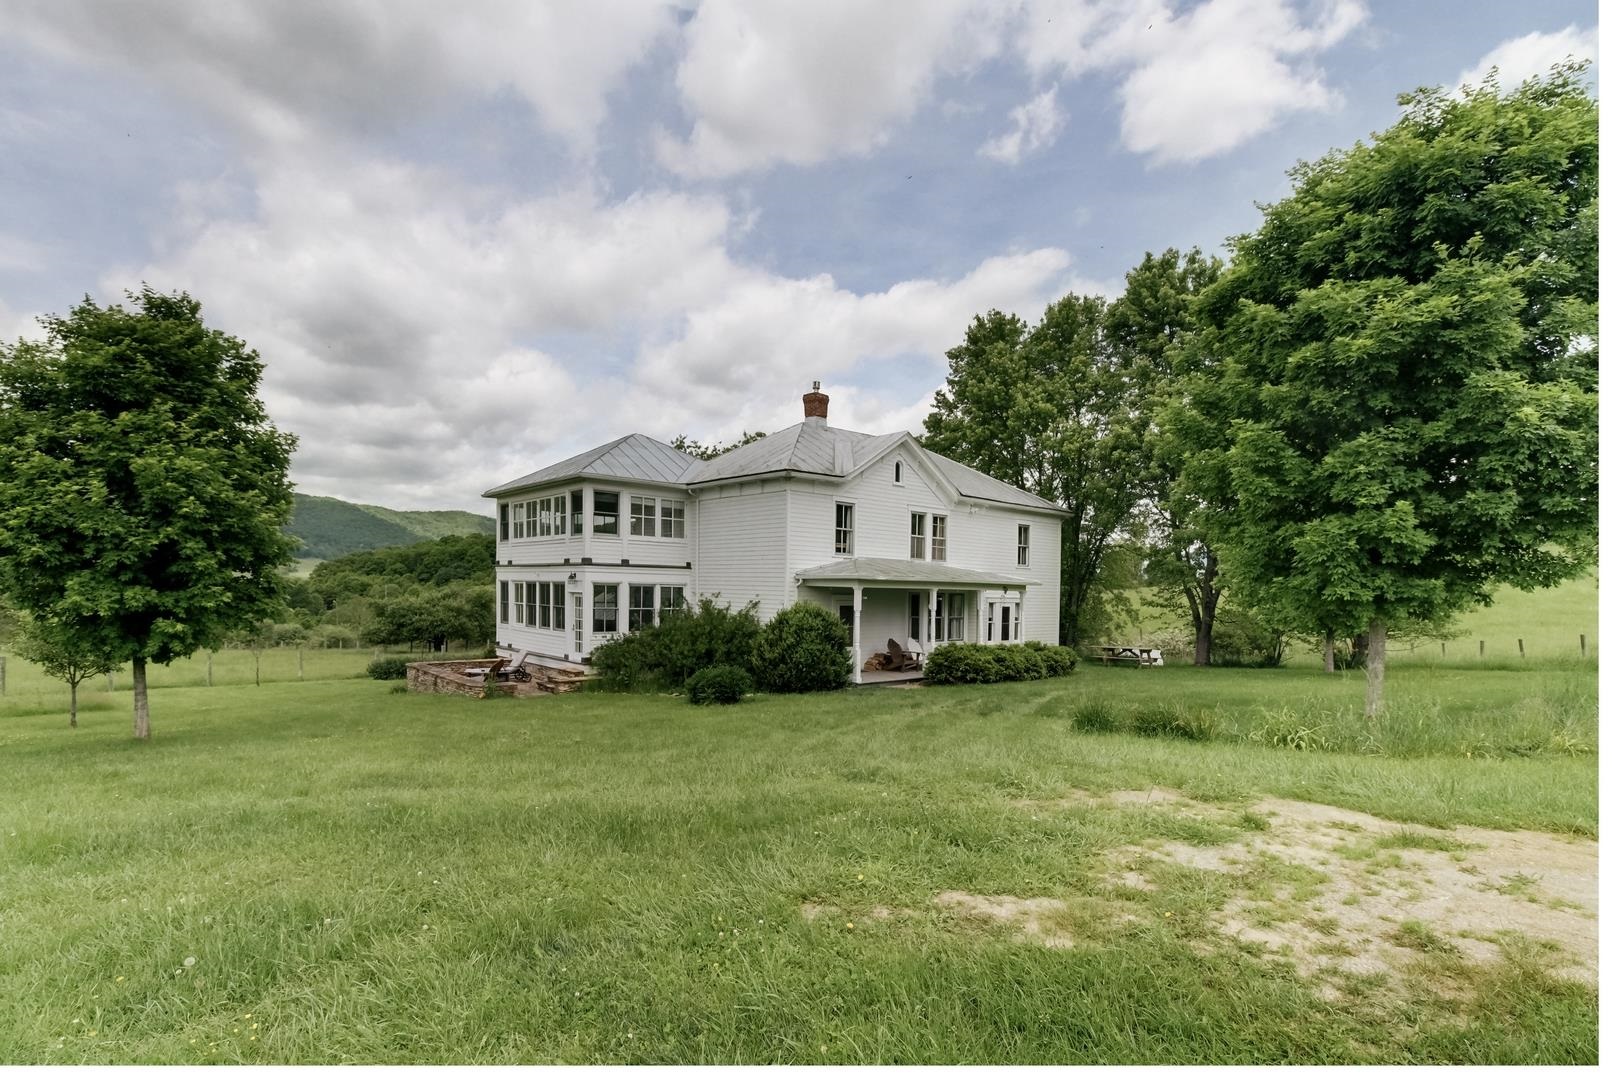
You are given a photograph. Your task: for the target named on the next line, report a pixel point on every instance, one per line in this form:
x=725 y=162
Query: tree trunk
x=143 y=717
x=1376 y=634
x=255 y=667
x=73 y=703
x=1202 y=641
x=1327 y=652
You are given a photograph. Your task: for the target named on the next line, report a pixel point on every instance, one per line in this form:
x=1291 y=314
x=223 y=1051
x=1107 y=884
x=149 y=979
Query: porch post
x=855 y=634
x=1022 y=594
x=933 y=605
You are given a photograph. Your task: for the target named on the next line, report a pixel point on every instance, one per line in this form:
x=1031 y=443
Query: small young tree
x=62 y=655
x=143 y=487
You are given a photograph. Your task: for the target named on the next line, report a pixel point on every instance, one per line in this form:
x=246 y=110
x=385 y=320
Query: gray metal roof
x=633 y=457
x=973 y=484
x=809 y=448
x=906 y=571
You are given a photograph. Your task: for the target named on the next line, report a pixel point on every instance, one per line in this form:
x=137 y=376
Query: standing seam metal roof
x=633 y=457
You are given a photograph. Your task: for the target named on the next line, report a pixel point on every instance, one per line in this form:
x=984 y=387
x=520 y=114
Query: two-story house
x=901 y=542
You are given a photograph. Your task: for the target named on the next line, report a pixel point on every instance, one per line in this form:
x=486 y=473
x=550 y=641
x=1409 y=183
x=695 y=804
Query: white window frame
x=596 y=608
x=843 y=535
x=649 y=610
x=664 y=598
x=1023 y=545
x=899 y=473
x=597 y=528
x=938 y=535
x=672 y=519
x=919 y=540
x=504 y=593
x=643 y=516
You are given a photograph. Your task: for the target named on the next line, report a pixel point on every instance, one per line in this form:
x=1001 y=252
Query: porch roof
x=905 y=572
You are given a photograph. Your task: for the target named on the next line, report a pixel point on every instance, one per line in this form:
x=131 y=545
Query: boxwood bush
x=684 y=642
x=961 y=662
x=723 y=684
x=803 y=648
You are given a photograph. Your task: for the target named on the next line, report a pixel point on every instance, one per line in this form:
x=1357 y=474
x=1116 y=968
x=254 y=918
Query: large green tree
x=142 y=486
x=1051 y=408
x=1411 y=375
x=1153 y=328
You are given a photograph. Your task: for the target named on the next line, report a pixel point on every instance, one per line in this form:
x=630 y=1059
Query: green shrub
x=1095 y=717
x=684 y=642
x=961 y=662
x=723 y=684
x=803 y=648
x=387 y=667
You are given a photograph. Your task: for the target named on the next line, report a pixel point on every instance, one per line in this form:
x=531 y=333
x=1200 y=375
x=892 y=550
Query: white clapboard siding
x=741 y=544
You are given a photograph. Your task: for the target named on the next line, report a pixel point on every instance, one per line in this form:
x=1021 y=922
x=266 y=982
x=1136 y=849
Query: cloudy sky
x=470 y=239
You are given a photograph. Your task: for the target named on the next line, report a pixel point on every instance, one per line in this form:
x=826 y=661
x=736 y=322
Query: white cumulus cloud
x=1035 y=126
x=1533 y=54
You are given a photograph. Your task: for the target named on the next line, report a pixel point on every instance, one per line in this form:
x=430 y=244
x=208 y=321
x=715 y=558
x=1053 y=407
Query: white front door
x=579 y=623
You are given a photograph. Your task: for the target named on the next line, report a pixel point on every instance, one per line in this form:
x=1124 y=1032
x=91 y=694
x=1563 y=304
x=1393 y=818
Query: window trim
x=671 y=513
x=1023 y=545
x=899 y=473
x=506 y=531
x=598 y=526
x=938 y=538
x=649 y=611
x=596 y=619
x=843 y=534
x=919 y=540
x=643 y=516
x=505 y=587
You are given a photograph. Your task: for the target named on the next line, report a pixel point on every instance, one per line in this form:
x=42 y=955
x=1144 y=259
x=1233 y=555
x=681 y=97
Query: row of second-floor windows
x=564 y=515
x=540 y=604
x=928 y=535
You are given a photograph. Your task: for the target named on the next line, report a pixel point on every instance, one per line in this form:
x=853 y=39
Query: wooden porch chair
x=902 y=660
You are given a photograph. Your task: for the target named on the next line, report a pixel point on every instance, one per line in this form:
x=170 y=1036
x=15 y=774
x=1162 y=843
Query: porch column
x=933 y=605
x=977 y=615
x=585 y=520
x=855 y=634
x=1022 y=593
x=624 y=607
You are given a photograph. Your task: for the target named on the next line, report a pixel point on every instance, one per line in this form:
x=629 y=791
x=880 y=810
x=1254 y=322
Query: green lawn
x=327 y=871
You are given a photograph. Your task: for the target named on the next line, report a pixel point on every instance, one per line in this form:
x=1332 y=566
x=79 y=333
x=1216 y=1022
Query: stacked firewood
x=878 y=661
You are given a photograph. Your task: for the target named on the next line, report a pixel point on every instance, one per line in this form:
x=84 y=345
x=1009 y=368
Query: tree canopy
x=142 y=485
x=1409 y=387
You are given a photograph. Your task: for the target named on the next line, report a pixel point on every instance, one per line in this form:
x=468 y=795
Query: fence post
x=1521 y=648
x=110 y=685
x=3 y=674
x=1482 y=648
x=210 y=667
x=2 y=663
x=1442 y=650
x=300 y=661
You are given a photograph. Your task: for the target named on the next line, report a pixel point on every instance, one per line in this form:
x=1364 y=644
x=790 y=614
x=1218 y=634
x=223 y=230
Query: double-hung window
x=605 y=609
x=503 y=591
x=844 y=529
x=641 y=606
x=542 y=614
x=1023 y=545
x=531 y=604
x=938 y=553
x=672 y=519
x=557 y=622
x=605 y=513
x=506 y=531
x=531 y=514
x=576 y=503
x=955 y=616
x=919 y=537
x=643 y=516
x=671 y=597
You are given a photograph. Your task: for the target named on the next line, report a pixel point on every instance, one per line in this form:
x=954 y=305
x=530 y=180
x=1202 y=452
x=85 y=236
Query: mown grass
x=371 y=877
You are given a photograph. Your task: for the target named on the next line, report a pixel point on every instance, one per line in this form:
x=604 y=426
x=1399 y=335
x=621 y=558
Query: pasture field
x=1549 y=621
x=329 y=871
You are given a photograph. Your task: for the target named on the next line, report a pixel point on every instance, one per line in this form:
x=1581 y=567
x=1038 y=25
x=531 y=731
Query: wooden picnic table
x=1140 y=655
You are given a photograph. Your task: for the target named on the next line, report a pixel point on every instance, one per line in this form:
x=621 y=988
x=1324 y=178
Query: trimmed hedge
x=722 y=684
x=961 y=662
x=685 y=641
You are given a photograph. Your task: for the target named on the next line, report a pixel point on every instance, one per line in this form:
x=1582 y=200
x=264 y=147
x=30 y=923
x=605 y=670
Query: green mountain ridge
x=328 y=527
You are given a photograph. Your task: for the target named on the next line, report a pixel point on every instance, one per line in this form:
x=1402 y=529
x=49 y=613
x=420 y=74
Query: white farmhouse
x=900 y=542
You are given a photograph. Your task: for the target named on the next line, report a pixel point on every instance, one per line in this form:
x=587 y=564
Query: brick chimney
x=815 y=403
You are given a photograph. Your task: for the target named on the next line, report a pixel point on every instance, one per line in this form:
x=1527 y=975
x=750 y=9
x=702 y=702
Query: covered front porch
x=917 y=605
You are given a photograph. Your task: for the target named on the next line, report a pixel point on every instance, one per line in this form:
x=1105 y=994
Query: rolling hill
x=330 y=527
